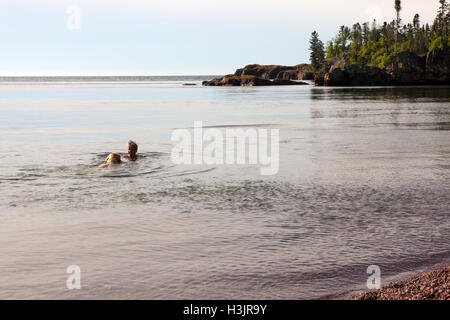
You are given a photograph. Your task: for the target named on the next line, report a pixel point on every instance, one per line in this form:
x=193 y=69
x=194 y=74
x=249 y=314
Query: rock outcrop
x=262 y=71
x=287 y=75
x=319 y=79
x=305 y=75
x=340 y=72
x=272 y=72
x=295 y=75
x=264 y=75
x=432 y=68
x=408 y=68
x=353 y=75
x=249 y=81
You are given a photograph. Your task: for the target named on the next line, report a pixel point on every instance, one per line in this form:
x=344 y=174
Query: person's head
x=113 y=158
x=132 y=148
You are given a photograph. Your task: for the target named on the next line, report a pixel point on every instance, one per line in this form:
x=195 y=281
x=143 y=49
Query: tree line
x=374 y=44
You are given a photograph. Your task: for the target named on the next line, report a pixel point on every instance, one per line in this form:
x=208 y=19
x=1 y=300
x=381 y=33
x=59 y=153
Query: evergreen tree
x=398 y=8
x=416 y=22
x=378 y=44
x=331 y=52
x=365 y=32
x=357 y=41
x=442 y=20
x=317 y=51
x=374 y=32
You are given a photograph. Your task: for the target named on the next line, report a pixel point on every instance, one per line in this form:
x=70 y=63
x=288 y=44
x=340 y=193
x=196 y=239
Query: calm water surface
x=364 y=179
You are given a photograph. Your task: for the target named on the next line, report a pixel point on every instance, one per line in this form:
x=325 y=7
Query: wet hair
x=113 y=158
x=133 y=145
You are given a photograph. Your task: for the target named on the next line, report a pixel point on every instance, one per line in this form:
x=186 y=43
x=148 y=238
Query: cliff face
x=264 y=75
x=432 y=68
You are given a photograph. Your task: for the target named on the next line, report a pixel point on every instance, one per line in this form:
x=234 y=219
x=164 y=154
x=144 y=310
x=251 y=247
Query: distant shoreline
x=104 y=78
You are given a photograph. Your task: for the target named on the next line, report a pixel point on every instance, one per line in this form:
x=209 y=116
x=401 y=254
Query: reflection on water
x=398 y=107
x=364 y=179
x=410 y=94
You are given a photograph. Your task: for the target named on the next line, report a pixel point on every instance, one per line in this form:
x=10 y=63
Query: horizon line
x=110 y=75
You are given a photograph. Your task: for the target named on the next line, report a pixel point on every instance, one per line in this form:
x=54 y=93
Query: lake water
x=364 y=179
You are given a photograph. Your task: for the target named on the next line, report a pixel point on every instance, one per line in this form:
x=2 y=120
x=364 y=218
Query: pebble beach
x=431 y=285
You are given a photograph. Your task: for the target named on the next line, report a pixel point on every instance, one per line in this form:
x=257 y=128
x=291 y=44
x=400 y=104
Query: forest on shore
x=378 y=44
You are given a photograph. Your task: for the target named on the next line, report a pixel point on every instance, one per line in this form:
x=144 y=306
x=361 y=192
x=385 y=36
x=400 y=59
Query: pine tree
x=343 y=37
x=416 y=35
x=365 y=32
x=317 y=51
x=416 y=22
x=441 y=16
x=398 y=8
x=374 y=32
x=442 y=20
x=356 y=35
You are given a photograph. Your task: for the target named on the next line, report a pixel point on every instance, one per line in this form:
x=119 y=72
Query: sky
x=174 y=37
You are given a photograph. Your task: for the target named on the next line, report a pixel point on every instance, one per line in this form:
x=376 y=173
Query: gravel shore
x=431 y=285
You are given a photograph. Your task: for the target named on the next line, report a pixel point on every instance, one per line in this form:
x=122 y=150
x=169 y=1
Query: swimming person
x=132 y=151
x=112 y=159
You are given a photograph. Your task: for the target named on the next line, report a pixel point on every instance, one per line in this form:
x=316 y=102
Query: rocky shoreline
x=431 y=285
x=432 y=68
x=264 y=75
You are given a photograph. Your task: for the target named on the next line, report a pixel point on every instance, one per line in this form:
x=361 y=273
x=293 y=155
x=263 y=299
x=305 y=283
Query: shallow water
x=364 y=179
